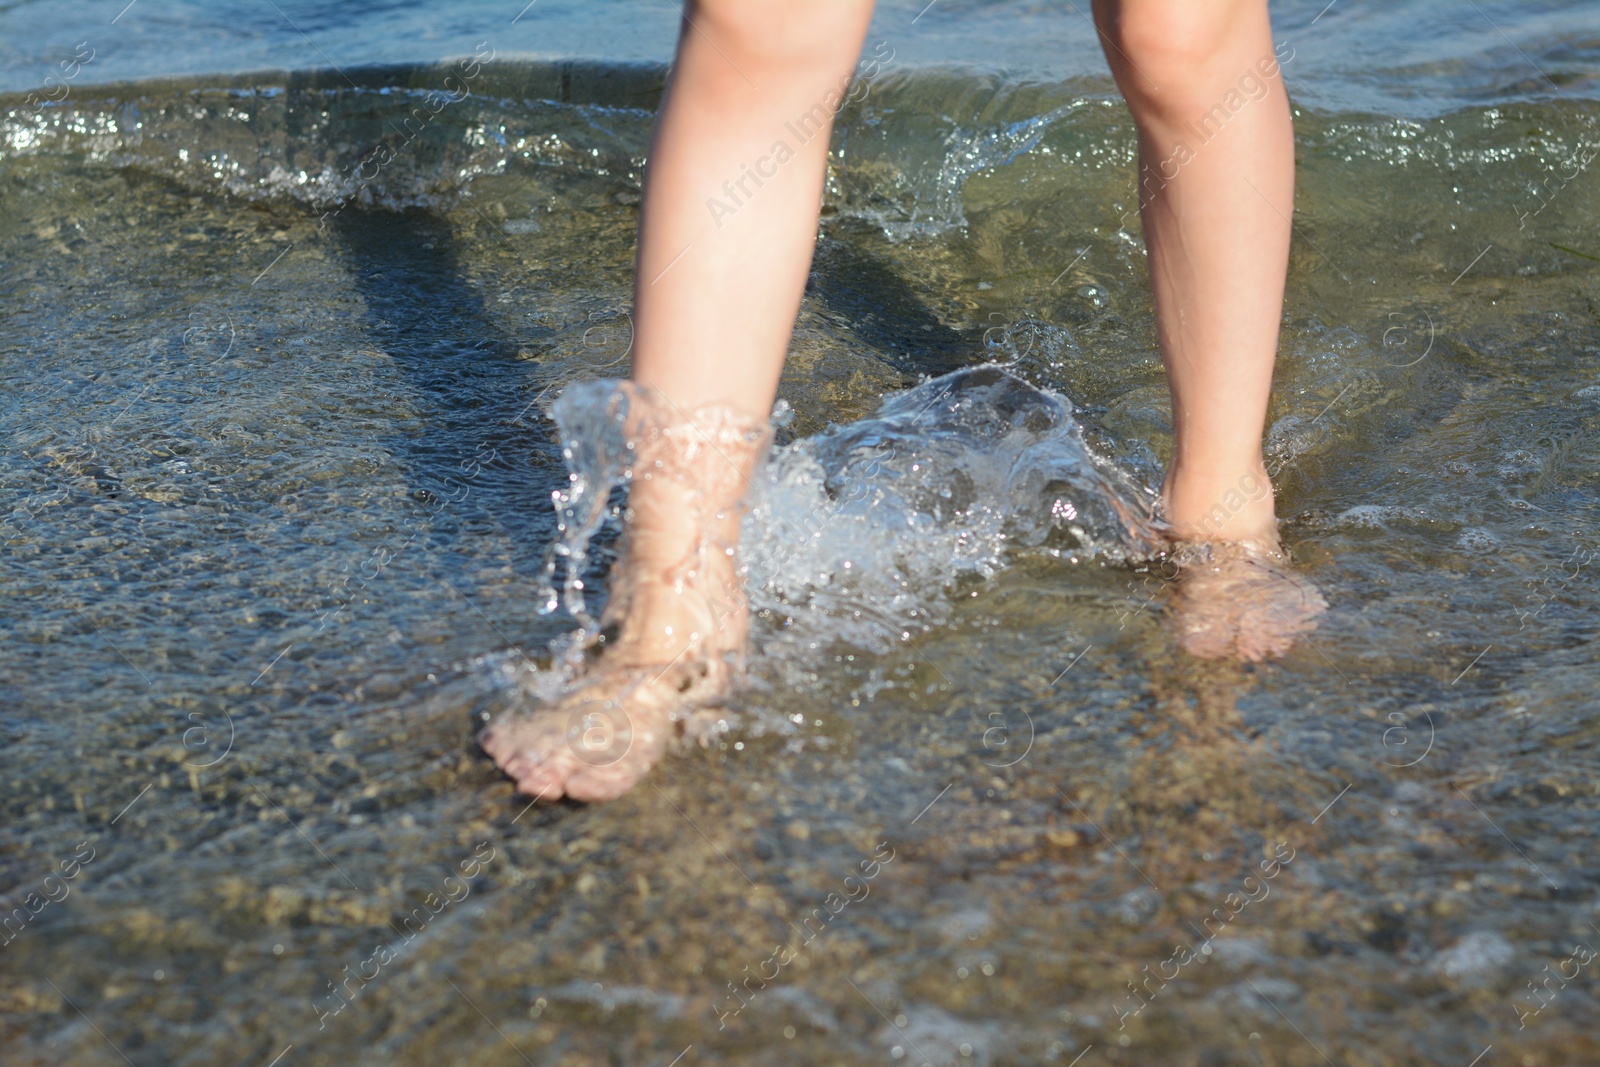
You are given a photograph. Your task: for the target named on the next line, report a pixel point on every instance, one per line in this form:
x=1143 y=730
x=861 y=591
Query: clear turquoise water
x=277 y=466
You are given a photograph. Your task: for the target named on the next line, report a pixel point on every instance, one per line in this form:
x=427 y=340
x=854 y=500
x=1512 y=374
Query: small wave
x=395 y=139
x=905 y=151
x=928 y=199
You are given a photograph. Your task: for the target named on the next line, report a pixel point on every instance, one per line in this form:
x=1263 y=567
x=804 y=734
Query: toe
x=1205 y=630
x=1256 y=648
x=540 y=781
x=593 y=787
x=523 y=751
x=1205 y=643
x=492 y=741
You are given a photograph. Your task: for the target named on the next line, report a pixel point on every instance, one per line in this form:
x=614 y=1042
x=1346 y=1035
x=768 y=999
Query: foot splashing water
x=672 y=635
x=852 y=537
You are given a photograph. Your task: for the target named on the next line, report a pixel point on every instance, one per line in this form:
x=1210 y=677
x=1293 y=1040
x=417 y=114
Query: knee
x=1174 y=41
x=767 y=34
x=1174 y=53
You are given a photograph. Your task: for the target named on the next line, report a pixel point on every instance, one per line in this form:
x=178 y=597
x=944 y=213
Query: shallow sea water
x=278 y=469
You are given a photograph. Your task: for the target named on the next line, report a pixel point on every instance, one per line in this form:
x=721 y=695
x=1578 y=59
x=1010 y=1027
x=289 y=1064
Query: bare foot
x=1241 y=599
x=599 y=741
x=667 y=657
x=673 y=632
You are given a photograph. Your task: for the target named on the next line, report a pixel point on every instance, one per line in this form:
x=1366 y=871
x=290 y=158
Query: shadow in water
x=884 y=311
x=481 y=436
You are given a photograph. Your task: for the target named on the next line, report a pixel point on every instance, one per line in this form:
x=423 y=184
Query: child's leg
x=732 y=195
x=1217 y=193
x=1216 y=183
x=735 y=185
x=726 y=236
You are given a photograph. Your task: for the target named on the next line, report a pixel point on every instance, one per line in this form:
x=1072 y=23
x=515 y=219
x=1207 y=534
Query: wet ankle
x=1208 y=507
x=676 y=590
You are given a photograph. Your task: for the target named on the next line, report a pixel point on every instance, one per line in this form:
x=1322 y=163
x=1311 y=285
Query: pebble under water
x=278 y=461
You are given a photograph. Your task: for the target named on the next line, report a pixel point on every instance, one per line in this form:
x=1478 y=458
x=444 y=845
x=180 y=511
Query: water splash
x=857 y=534
x=931 y=197
x=592 y=417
